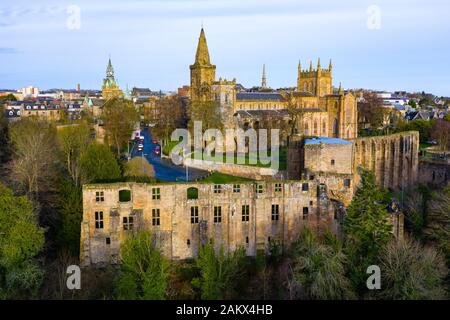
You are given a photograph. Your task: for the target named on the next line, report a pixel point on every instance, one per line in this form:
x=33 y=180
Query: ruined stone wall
x=178 y=237
x=393 y=158
x=435 y=173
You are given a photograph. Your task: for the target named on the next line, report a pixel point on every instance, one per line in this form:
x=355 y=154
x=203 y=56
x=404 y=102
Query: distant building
x=110 y=88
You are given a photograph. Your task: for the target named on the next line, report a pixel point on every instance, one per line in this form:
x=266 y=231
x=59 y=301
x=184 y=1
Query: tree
x=4 y=149
x=218 y=274
x=319 y=267
x=208 y=112
x=119 y=117
x=437 y=224
x=139 y=167
x=98 y=164
x=73 y=140
x=366 y=226
x=447 y=117
x=70 y=216
x=35 y=162
x=372 y=110
x=423 y=126
x=21 y=239
x=8 y=97
x=441 y=132
x=169 y=116
x=143 y=271
x=411 y=271
x=412 y=103
x=295 y=112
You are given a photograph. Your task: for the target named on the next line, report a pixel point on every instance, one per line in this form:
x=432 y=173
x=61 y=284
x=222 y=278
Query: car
x=140 y=146
x=154 y=141
x=157 y=152
x=141 y=138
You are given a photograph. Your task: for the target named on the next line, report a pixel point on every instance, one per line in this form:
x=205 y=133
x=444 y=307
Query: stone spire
x=202 y=55
x=264 y=79
x=310 y=66
x=330 y=67
x=340 y=91
x=318 y=65
x=299 y=70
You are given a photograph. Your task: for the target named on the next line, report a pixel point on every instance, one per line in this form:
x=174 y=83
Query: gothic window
x=335 y=127
x=324 y=128
x=306 y=129
x=315 y=127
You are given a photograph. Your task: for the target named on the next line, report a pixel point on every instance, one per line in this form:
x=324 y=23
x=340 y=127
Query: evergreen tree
x=143 y=271
x=218 y=273
x=21 y=240
x=367 y=229
x=99 y=164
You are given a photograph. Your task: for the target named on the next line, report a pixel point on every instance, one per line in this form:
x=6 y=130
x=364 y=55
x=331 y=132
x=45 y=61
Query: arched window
x=124 y=196
x=192 y=193
x=315 y=127
x=324 y=129
x=335 y=127
x=306 y=129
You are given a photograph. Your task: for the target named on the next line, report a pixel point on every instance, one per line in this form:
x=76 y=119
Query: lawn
x=221 y=178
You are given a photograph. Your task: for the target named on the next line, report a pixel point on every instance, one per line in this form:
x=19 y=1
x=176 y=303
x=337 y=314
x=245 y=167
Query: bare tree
x=73 y=140
x=120 y=117
x=34 y=161
x=169 y=116
x=441 y=132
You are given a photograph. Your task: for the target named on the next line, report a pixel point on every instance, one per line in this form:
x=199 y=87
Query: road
x=165 y=170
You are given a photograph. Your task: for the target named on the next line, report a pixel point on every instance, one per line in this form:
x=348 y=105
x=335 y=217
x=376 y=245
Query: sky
x=376 y=44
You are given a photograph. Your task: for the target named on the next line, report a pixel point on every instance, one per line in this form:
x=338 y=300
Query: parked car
x=154 y=141
x=157 y=150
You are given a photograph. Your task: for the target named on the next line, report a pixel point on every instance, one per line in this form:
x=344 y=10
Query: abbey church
x=325 y=111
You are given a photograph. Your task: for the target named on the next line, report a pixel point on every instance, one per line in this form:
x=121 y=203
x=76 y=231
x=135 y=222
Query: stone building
x=325 y=112
x=183 y=216
x=110 y=88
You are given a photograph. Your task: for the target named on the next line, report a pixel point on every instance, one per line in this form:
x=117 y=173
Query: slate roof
x=259 y=96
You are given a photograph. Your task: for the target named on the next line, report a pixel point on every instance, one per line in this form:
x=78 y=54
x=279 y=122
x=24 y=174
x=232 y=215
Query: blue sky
x=152 y=43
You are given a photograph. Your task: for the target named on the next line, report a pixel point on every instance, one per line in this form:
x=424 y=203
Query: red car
x=155 y=141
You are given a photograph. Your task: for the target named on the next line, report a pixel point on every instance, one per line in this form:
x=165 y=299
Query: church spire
x=310 y=66
x=109 y=69
x=202 y=55
x=330 y=67
x=264 y=79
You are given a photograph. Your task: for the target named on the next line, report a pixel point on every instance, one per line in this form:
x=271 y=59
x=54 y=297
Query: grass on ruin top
x=221 y=178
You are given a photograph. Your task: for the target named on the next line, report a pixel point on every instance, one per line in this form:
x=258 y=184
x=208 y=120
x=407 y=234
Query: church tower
x=203 y=73
x=317 y=82
x=110 y=88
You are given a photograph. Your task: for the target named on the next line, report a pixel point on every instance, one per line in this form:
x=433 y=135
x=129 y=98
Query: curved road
x=165 y=170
